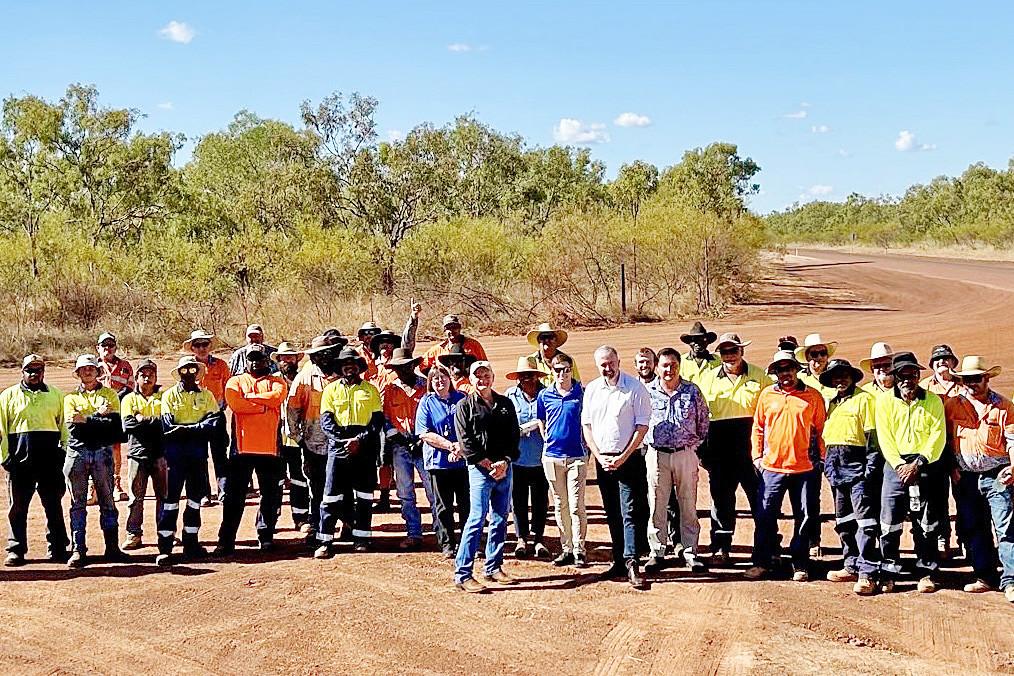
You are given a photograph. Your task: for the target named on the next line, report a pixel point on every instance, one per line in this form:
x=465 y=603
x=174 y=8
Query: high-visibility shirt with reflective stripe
x=733 y=396
x=910 y=428
x=849 y=420
x=693 y=371
x=187 y=408
x=981 y=443
x=350 y=405
x=787 y=429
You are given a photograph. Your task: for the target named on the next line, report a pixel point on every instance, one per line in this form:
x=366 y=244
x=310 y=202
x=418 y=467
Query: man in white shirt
x=614 y=418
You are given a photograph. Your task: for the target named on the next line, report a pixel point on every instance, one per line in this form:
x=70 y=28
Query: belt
x=668 y=449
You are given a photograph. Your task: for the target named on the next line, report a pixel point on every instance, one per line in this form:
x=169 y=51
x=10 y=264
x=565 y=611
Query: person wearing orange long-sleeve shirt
x=256 y=399
x=788 y=450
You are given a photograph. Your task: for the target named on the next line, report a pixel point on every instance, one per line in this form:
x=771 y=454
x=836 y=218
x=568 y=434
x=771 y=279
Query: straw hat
x=813 y=340
x=286 y=349
x=189 y=360
x=546 y=327
x=525 y=365
x=974 y=365
x=878 y=351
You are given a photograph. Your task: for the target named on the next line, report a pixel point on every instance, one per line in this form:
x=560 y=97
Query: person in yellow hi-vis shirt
x=92 y=414
x=852 y=459
x=32 y=435
x=141 y=411
x=731 y=391
x=911 y=431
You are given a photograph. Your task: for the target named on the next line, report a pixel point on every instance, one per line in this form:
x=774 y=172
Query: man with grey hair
x=614 y=418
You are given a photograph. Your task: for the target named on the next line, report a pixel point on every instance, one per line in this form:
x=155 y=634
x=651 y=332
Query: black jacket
x=487 y=432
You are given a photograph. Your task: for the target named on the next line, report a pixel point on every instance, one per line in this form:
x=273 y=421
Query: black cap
x=903 y=359
x=941 y=352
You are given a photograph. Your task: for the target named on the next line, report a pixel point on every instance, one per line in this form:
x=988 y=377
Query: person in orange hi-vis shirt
x=255 y=399
x=788 y=451
x=216 y=375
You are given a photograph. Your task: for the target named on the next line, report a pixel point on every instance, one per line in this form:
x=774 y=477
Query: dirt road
x=388 y=612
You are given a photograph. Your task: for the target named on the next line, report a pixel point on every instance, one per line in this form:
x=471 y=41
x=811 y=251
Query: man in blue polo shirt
x=565 y=458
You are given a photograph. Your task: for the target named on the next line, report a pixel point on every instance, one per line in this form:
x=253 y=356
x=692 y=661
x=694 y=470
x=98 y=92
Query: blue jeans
x=405 y=467
x=773 y=487
x=623 y=490
x=484 y=493
x=978 y=495
x=78 y=467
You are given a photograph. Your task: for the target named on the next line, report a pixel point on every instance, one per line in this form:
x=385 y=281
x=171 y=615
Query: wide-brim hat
x=698 y=331
x=402 y=357
x=525 y=365
x=189 y=361
x=731 y=338
x=813 y=340
x=86 y=360
x=454 y=352
x=903 y=359
x=941 y=352
x=974 y=365
x=199 y=334
x=546 y=327
x=321 y=343
x=384 y=337
x=839 y=365
x=286 y=349
x=783 y=355
x=350 y=354
x=878 y=351
x=368 y=327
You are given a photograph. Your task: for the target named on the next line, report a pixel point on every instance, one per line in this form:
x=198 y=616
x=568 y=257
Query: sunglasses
x=816 y=353
x=972 y=380
x=107 y=344
x=189 y=370
x=543 y=337
x=562 y=369
x=728 y=350
x=201 y=343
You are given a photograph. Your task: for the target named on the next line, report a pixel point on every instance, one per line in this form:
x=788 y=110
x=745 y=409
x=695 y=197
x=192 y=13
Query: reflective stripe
x=281 y=484
x=723 y=532
x=324 y=538
x=297 y=482
x=331 y=498
x=296 y=510
x=362 y=533
x=166 y=533
x=170 y=506
x=891 y=567
x=363 y=495
x=886 y=528
x=866 y=523
x=193 y=505
x=190 y=529
x=845 y=519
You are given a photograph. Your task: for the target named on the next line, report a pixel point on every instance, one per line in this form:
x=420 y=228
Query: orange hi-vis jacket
x=256 y=404
x=216 y=375
x=788 y=428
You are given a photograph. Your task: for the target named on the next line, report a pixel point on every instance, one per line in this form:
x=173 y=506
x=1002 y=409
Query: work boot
x=77 y=559
x=113 y=553
x=634 y=576
x=14 y=559
x=132 y=541
x=926 y=585
x=842 y=575
x=864 y=587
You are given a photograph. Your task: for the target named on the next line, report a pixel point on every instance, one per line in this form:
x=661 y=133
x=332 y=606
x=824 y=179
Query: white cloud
x=820 y=129
x=821 y=190
x=168 y=105
x=178 y=31
x=798 y=115
x=844 y=153
x=804 y=104
x=907 y=143
x=576 y=131
x=632 y=120
x=395 y=135
x=461 y=47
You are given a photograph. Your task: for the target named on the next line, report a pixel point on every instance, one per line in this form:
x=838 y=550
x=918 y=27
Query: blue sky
x=828 y=98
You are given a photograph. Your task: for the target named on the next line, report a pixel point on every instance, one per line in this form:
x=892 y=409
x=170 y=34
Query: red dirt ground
x=391 y=612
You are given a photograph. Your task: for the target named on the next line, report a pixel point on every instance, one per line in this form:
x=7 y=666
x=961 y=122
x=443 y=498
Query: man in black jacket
x=487 y=428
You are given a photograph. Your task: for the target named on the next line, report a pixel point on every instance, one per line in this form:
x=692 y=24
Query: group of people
x=364 y=414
